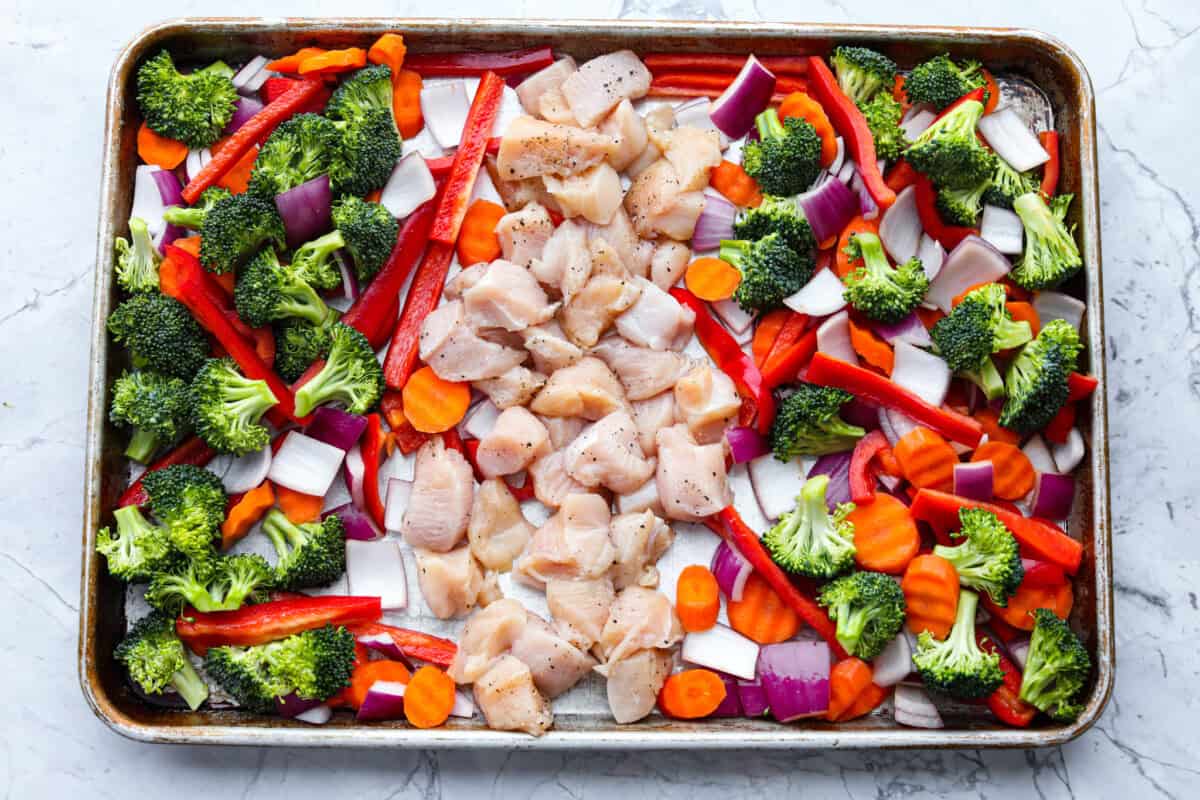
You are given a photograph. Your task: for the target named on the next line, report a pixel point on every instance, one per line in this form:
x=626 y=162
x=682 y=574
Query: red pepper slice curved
x=422 y=298
x=415 y=644
x=372 y=444
x=862 y=479
x=192 y=450
x=783 y=367
x=468 y=158
x=931 y=219
x=440 y=167
x=1006 y=703
x=1050 y=170
x=1080 y=386
x=268 y=622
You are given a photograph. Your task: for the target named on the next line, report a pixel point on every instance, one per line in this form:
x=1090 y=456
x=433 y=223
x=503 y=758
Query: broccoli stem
x=280 y=530
x=988 y=379
x=191 y=218
x=769 y=125
x=871 y=249
x=190 y=685
x=142 y=445
x=962 y=635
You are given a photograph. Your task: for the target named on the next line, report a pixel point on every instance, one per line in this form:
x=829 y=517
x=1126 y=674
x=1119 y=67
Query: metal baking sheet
x=1038 y=73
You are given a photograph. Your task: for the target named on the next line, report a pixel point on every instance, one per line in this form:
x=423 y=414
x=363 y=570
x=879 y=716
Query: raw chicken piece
x=524 y=233
x=657 y=203
x=591 y=312
x=606 y=261
x=644 y=498
x=565 y=265
x=506 y=296
x=464 y=280
x=517 y=438
x=600 y=84
x=668 y=264
x=580 y=608
x=555 y=663
x=552 y=107
x=516 y=194
x=574 y=543
x=708 y=402
x=489 y=591
x=643 y=372
x=634 y=684
x=551 y=483
x=638 y=619
x=640 y=540
x=457 y=353
x=530 y=90
x=635 y=254
x=629 y=129
x=509 y=700
x=594 y=194
x=656 y=320
x=658 y=119
x=514 y=388
x=651 y=416
x=563 y=430
x=439 y=505
x=498 y=531
x=608 y=454
x=692 y=483
x=693 y=152
x=549 y=346
x=587 y=389
x=530 y=148
x=450 y=582
x=487 y=635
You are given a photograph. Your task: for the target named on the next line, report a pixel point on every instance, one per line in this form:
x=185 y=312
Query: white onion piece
x=1002 y=229
x=847 y=171
x=833 y=338
x=484 y=189
x=256 y=83
x=915 y=124
x=885 y=425
x=399 y=466
x=893 y=664
x=317 y=715
x=1019 y=650
x=910 y=329
x=410 y=184
x=147 y=200
x=914 y=709
x=722 y=649
x=840 y=158
x=776 y=484
x=423 y=143
x=733 y=316
x=1039 y=454
x=900 y=230
x=900 y=423
x=305 y=464
x=922 y=373
x=694 y=114
x=1069 y=454
x=252 y=68
x=821 y=296
x=376 y=569
x=247 y=472
x=395 y=504
x=932 y=256
x=1056 y=305
x=971 y=263
x=355 y=470
x=220 y=465
x=481 y=419
x=445 y=107
x=195 y=162
x=464 y=706
x=1012 y=139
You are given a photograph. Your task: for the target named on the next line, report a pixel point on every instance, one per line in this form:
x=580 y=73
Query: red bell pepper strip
x=714 y=83
x=720 y=62
x=975 y=95
x=407 y=438
x=1080 y=386
x=256 y=129
x=931 y=219
x=468 y=158
x=267 y=622
x=746 y=541
x=732 y=360
x=422 y=298
x=1050 y=170
x=372 y=444
x=1042 y=573
x=901 y=176
x=1059 y=428
x=414 y=644
x=1039 y=538
x=440 y=167
x=849 y=122
x=513 y=62
x=783 y=367
x=828 y=371
x=793 y=328
x=1006 y=703
x=275 y=87
x=192 y=450
x=862 y=479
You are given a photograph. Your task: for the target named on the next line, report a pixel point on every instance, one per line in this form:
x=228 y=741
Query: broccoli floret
x=235 y=228
x=787 y=157
x=156 y=406
x=809 y=540
x=156 y=660
x=268 y=290
x=771 y=271
x=351 y=374
x=977 y=327
x=297 y=345
x=989 y=560
x=161 y=334
x=958 y=666
x=862 y=72
x=192 y=217
x=779 y=215
x=869 y=610
x=807 y=423
x=311 y=554
x=1007 y=185
x=879 y=290
x=137 y=259
x=314 y=665
x=361 y=94
x=370 y=233
x=1056 y=668
x=939 y=81
x=192 y=108
x=1051 y=255
x=313 y=261
x=227 y=407
x=297 y=151
x=369 y=150
x=190 y=501
x=221 y=583
x=948 y=151
x=1036 y=383
x=138 y=549
x=962 y=207
x=883 y=114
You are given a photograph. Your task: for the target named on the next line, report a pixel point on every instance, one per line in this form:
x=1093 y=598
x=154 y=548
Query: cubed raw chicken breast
x=594 y=194
x=606 y=260
x=639 y=618
x=509 y=700
x=565 y=264
x=516 y=194
x=600 y=84
x=439 y=504
x=640 y=540
x=498 y=531
x=668 y=264
x=553 y=107
x=609 y=454
x=693 y=152
x=657 y=203
x=634 y=683
x=651 y=416
x=507 y=296
x=486 y=636
x=549 y=346
x=692 y=483
x=530 y=90
x=464 y=280
x=514 y=388
x=455 y=350
x=643 y=372
x=555 y=663
x=450 y=582
x=574 y=543
x=551 y=483
x=580 y=608
x=523 y=234
x=643 y=498
x=563 y=430
x=656 y=320
x=587 y=389
x=635 y=253
x=708 y=402
x=591 y=312
x=629 y=129
x=517 y=438
x=489 y=591
x=531 y=147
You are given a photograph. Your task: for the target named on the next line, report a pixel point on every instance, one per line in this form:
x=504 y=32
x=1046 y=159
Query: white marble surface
x=1143 y=56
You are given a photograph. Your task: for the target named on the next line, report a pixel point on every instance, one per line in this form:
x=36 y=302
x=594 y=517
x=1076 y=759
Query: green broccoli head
x=1051 y=255
x=1036 y=383
x=787 y=157
x=351 y=375
x=192 y=217
x=160 y=333
x=957 y=666
x=370 y=232
x=297 y=345
x=367 y=154
x=192 y=108
x=962 y=207
x=868 y=608
x=362 y=94
x=977 y=327
x=939 y=81
x=949 y=152
x=878 y=290
x=1056 y=668
x=314 y=261
x=268 y=290
x=156 y=660
x=216 y=583
x=807 y=423
x=989 y=560
x=862 y=73
x=771 y=271
x=137 y=259
x=157 y=407
x=809 y=540
x=883 y=114
x=227 y=407
x=138 y=549
x=297 y=151
x=190 y=501
x=779 y=215
x=311 y=554
x=1007 y=185
x=235 y=228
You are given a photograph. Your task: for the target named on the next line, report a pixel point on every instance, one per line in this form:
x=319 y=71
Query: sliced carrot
x=291 y=64
x=848 y=678
x=885 y=536
x=989 y=420
x=298 y=507
x=245 y=512
x=1028 y=598
x=333 y=62
x=388 y=49
x=1012 y=470
x=867 y=701
x=800 y=105
x=697 y=598
x=429 y=698
x=735 y=184
x=766 y=332
x=761 y=614
x=189 y=244
x=367 y=672
x=406 y=102
x=433 y=405
x=993 y=93
x=477 y=240
x=930 y=586
x=691 y=694
x=842 y=265
x=929 y=316
x=156 y=149
x=1020 y=310
x=871 y=348
x=885 y=459
x=712 y=279
x=926 y=459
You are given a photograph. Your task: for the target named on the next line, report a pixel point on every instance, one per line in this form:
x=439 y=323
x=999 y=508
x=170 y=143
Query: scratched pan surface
x=1039 y=74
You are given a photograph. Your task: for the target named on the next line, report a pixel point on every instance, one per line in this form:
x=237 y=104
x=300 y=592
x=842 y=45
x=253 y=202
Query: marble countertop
x=1141 y=54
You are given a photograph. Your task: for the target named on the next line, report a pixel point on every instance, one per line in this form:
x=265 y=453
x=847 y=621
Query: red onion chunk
x=695 y=114
x=715 y=223
x=1053 y=495
x=290 y=705
x=731 y=570
x=972 y=262
x=975 y=480
x=734 y=111
x=305 y=210
x=722 y=649
x=795 y=675
x=170 y=234
x=909 y=330
x=746 y=444
x=384 y=700
x=244 y=110
x=357 y=523
x=1019 y=650
x=837 y=467
x=731 y=706
x=336 y=427
x=383 y=644
x=349 y=279
x=168 y=187
x=753 y=697
x=829 y=208
x=861 y=413
x=893 y=664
